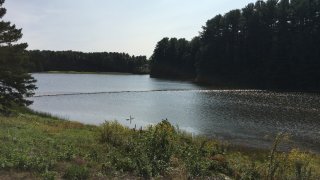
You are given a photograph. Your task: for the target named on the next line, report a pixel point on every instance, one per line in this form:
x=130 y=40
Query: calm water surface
x=244 y=117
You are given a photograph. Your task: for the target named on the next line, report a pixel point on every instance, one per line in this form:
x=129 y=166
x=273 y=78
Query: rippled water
x=245 y=117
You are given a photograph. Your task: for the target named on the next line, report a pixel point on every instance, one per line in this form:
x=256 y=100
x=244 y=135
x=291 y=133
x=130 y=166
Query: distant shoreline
x=86 y=72
x=194 y=81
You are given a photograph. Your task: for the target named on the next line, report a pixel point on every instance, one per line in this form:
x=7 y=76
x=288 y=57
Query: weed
x=49 y=175
x=76 y=172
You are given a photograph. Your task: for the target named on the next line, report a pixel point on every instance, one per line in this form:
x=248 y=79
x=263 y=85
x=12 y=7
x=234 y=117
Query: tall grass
x=292 y=165
x=163 y=150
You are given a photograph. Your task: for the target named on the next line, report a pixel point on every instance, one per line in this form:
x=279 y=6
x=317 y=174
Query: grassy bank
x=39 y=146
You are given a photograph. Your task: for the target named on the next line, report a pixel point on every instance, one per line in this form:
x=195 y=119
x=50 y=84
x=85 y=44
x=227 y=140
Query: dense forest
x=268 y=44
x=40 y=61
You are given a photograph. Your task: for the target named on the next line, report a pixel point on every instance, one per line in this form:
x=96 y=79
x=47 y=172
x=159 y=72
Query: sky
x=131 y=26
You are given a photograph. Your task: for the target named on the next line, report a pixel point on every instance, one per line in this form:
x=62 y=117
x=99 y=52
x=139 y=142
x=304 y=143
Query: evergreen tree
x=174 y=58
x=15 y=83
x=272 y=44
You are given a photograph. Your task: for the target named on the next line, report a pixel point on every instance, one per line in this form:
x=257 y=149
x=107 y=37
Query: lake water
x=245 y=117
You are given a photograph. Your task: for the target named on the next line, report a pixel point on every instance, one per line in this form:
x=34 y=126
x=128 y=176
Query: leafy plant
x=76 y=172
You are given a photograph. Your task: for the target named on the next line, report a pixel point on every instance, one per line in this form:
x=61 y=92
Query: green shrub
x=123 y=164
x=250 y=173
x=160 y=144
x=139 y=155
x=114 y=133
x=76 y=172
x=49 y=175
x=107 y=168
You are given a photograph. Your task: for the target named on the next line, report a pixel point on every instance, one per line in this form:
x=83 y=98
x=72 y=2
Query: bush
x=160 y=144
x=49 y=175
x=151 y=152
x=114 y=133
x=76 y=172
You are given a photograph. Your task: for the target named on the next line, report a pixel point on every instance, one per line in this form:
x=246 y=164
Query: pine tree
x=15 y=83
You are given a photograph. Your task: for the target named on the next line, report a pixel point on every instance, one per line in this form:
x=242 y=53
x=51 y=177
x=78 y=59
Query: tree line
x=40 y=61
x=268 y=44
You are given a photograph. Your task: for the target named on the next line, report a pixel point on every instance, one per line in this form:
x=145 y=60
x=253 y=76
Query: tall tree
x=174 y=58
x=15 y=84
x=272 y=44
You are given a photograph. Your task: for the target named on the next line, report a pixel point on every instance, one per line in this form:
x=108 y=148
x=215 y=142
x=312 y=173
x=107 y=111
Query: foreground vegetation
x=44 y=147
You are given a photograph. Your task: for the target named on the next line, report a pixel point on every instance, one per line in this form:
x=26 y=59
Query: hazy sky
x=133 y=26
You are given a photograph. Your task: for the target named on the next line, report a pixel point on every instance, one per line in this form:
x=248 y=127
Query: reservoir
x=245 y=117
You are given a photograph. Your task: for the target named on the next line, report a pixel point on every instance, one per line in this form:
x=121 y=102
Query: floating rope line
x=163 y=90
